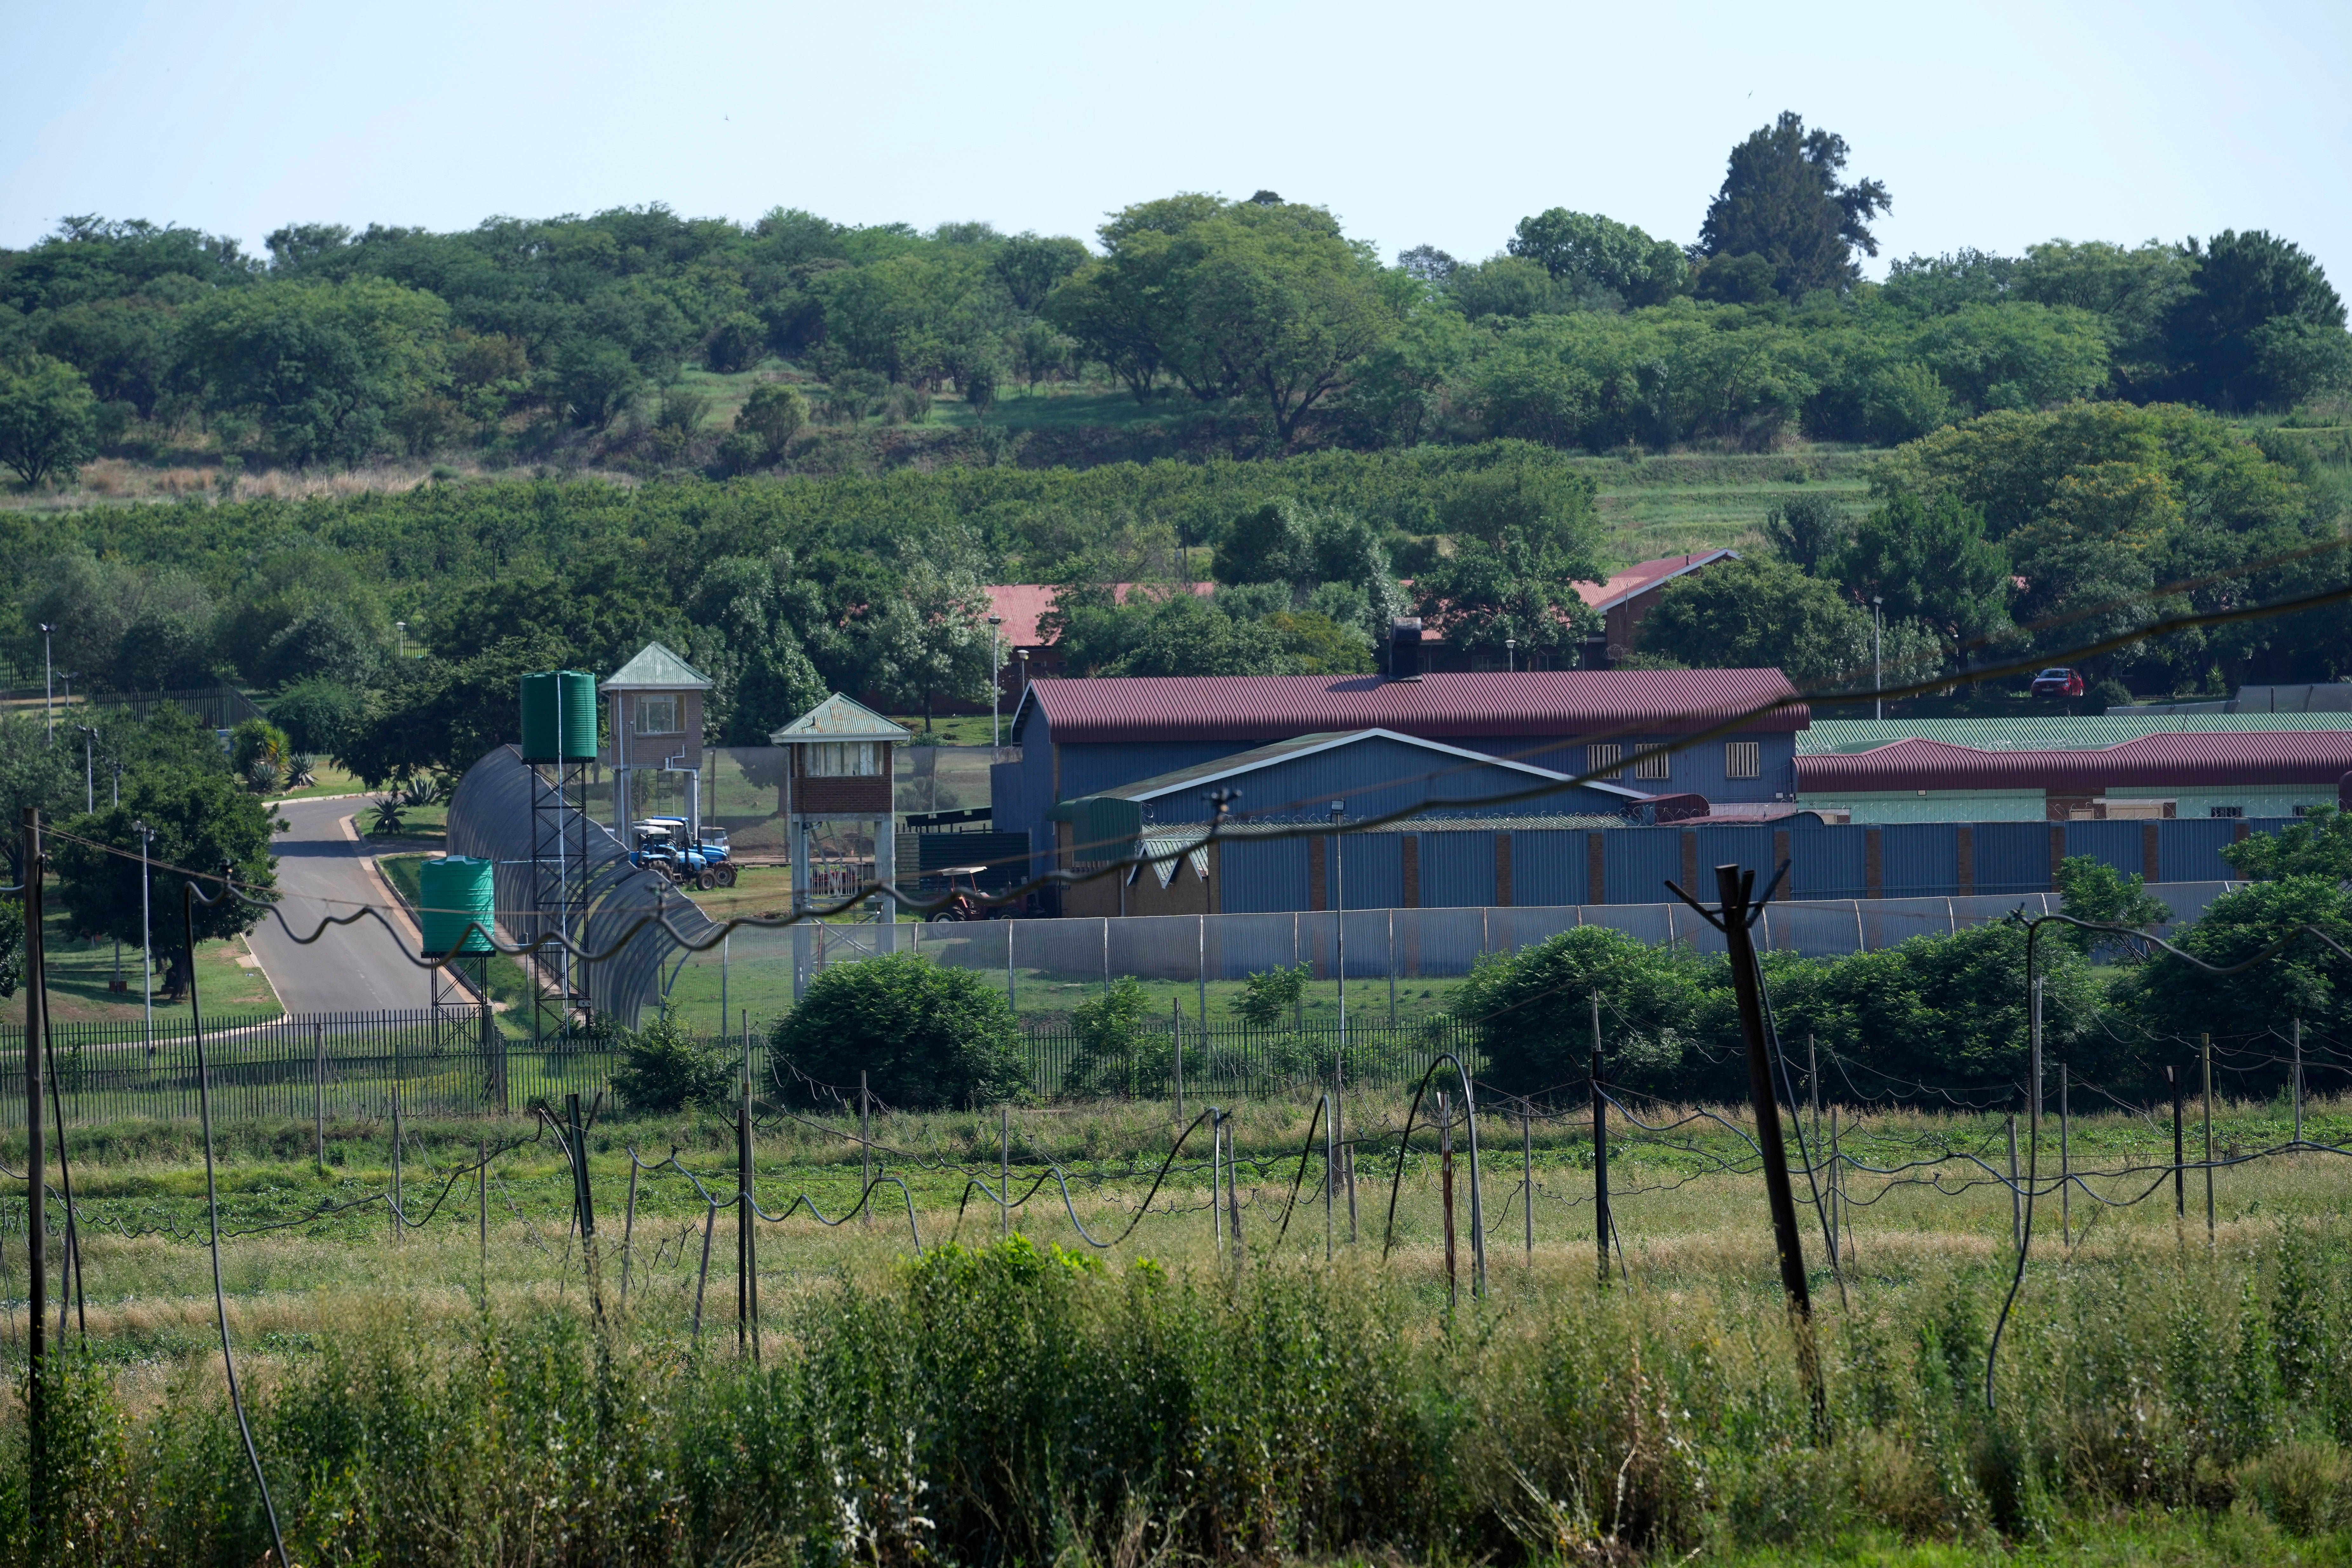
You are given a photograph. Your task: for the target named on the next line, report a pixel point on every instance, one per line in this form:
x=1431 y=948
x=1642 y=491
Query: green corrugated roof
x=656 y=669
x=839 y=718
x=2056 y=732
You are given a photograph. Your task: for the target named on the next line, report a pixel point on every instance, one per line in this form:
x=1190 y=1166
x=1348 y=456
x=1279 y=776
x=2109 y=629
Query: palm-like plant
x=390 y=817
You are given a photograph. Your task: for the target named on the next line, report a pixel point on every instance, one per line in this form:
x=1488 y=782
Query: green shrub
x=925 y=1037
x=663 y=1068
x=1270 y=998
x=317 y=716
x=1119 y=1052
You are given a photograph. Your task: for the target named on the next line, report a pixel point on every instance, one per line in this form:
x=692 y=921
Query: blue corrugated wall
x=1548 y=863
x=1458 y=869
x=2012 y=857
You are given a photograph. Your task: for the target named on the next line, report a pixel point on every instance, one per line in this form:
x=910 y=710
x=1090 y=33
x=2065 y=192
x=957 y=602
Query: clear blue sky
x=1993 y=125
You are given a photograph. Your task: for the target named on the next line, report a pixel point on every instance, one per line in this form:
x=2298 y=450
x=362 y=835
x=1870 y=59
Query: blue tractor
x=663 y=844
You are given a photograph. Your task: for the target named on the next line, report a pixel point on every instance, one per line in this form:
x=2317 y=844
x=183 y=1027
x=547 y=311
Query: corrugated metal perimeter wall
x=1445 y=869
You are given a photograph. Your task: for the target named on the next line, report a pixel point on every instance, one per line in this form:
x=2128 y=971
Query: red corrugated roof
x=1492 y=702
x=2229 y=757
x=1647 y=574
x=1021 y=605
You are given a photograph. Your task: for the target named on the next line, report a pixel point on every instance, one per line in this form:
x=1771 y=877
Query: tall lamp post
x=146 y=932
x=1877 y=657
x=48 y=684
x=1340 y=917
x=995 y=680
x=1511 y=653
x=88 y=767
x=401 y=628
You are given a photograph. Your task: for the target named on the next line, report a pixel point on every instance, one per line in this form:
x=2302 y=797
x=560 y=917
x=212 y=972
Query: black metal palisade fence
x=341 y=1066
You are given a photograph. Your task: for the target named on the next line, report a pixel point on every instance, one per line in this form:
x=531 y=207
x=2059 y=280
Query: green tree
x=746 y=611
x=48 y=420
x=774 y=414
x=1119 y=1052
x=200 y=820
x=593 y=380
x=2173 y=1002
x=931 y=640
x=323 y=367
x=663 y=1068
x=1590 y=252
x=1760 y=613
x=442 y=715
x=1807 y=531
x=1781 y=200
x=318 y=715
x=1947 y=1010
x=1484 y=596
x=1030 y=264
x=1533 y=1011
x=35 y=773
x=927 y=1038
x=1269 y=998
x=1284 y=309
x=2260 y=327
x=2317 y=844
x=1930 y=562
x=2092 y=889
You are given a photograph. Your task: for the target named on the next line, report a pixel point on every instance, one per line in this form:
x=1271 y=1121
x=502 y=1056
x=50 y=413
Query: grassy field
x=2161 y=1398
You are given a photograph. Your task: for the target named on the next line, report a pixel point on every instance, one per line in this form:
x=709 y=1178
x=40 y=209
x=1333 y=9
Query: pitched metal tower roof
x=656 y=669
x=839 y=718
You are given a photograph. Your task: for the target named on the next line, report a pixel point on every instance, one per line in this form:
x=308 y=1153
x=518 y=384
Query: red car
x=2058 y=682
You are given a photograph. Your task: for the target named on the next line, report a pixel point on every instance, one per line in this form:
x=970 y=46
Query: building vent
x=1404 y=649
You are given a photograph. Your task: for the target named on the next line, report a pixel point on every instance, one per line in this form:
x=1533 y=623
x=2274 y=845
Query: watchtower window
x=1605 y=759
x=844 y=760
x=657 y=715
x=1743 y=759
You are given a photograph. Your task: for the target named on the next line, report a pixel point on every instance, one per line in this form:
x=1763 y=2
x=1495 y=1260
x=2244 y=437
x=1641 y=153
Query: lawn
x=228 y=978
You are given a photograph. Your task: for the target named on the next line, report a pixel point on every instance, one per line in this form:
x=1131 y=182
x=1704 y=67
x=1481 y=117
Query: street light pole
x=995 y=681
x=1339 y=916
x=1877 y=656
x=402 y=628
x=48 y=684
x=1511 y=653
x=146 y=933
x=88 y=767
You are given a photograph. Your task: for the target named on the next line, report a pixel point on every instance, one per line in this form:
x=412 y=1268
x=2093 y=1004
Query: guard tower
x=655 y=704
x=839 y=767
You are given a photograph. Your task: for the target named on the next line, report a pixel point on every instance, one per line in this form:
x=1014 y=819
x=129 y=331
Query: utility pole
x=88 y=767
x=1732 y=918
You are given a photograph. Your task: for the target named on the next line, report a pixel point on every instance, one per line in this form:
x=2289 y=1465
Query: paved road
x=353 y=969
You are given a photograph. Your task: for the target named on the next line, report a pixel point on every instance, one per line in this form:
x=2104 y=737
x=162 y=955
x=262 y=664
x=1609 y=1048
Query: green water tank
x=450 y=892
x=559 y=717
x=541 y=721
x=576 y=700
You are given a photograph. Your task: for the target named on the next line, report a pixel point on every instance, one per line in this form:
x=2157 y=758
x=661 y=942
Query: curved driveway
x=359 y=968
